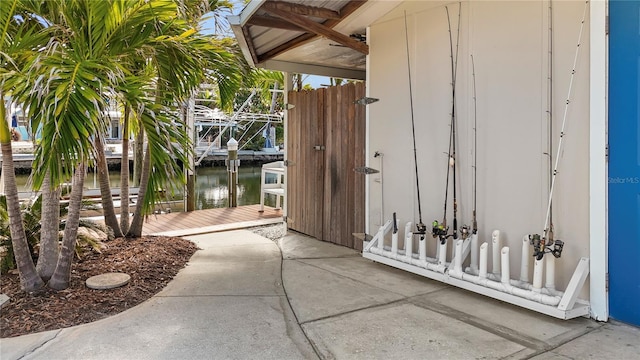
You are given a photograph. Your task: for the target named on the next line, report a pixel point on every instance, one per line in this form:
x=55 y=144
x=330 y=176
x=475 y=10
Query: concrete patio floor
x=243 y=296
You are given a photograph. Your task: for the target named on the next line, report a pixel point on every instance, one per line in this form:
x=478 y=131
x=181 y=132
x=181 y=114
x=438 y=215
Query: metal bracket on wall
x=366 y=170
x=366 y=101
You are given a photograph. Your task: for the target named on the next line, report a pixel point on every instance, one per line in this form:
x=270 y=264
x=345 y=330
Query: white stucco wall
x=509 y=42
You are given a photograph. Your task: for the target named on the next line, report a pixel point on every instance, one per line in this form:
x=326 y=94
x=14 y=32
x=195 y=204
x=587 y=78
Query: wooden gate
x=326 y=141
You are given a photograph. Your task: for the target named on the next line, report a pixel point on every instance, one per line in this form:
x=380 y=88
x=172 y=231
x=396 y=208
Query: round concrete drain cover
x=108 y=281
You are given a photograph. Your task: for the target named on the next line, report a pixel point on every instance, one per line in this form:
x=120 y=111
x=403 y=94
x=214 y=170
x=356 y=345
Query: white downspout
x=598 y=240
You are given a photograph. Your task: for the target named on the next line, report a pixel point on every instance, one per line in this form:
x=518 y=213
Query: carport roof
x=320 y=37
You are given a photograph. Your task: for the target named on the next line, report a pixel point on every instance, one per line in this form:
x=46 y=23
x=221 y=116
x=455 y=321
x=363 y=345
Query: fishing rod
x=549 y=232
x=440 y=230
x=540 y=244
x=454 y=72
x=474 y=228
x=421 y=228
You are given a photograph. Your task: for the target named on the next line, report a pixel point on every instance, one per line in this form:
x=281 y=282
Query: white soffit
x=266 y=44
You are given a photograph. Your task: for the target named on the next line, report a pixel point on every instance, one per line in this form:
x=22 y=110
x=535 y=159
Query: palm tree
x=60 y=58
x=176 y=66
x=17 y=38
x=63 y=82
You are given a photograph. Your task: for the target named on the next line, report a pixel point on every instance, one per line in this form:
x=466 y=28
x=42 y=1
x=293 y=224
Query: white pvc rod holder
x=506 y=273
x=474 y=253
x=442 y=255
x=495 y=248
x=422 y=248
x=524 y=261
x=408 y=241
x=538 y=267
x=483 y=261
x=394 y=240
x=550 y=273
x=458 y=259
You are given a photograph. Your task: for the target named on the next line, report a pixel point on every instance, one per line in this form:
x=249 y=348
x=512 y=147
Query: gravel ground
x=273 y=232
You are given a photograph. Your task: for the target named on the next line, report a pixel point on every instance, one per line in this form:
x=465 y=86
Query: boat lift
x=215 y=119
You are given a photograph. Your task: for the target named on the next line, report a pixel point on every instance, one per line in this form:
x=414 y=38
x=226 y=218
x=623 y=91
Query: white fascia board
x=242 y=42
x=311 y=69
x=239 y=21
x=249 y=10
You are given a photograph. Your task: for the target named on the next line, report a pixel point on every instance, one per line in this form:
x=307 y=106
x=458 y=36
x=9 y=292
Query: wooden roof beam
x=346 y=10
x=304 y=10
x=317 y=28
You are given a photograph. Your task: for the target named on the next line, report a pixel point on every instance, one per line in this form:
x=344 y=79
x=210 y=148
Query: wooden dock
x=210 y=220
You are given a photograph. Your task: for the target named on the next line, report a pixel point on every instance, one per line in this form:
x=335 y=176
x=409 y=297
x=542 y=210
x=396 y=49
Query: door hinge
x=319 y=147
x=606 y=282
x=289 y=163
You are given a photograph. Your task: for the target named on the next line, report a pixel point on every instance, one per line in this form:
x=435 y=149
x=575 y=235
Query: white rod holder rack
x=497 y=287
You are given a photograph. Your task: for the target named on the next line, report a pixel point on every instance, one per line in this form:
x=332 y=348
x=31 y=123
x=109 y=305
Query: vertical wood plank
x=293 y=157
x=326 y=197
x=305 y=188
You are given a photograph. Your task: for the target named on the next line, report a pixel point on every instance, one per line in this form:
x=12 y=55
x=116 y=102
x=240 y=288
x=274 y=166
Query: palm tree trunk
x=108 y=210
x=29 y=279
x=124 y=173
x=62 y=275
x=49 y=229
x=137 y=156
x=138 y=217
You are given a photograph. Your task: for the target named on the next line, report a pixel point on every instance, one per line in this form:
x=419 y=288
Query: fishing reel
x=421 y=230
x=439 y=231
x=558 y=246
x=464 y=232
x=540 y=246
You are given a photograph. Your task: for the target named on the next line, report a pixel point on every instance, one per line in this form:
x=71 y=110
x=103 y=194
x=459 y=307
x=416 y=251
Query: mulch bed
x=150 y=261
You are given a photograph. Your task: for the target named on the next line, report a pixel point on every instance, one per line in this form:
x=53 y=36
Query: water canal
x=211 y=187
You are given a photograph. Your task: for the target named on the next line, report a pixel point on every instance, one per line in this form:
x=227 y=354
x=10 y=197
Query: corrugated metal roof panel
x=315 y=53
